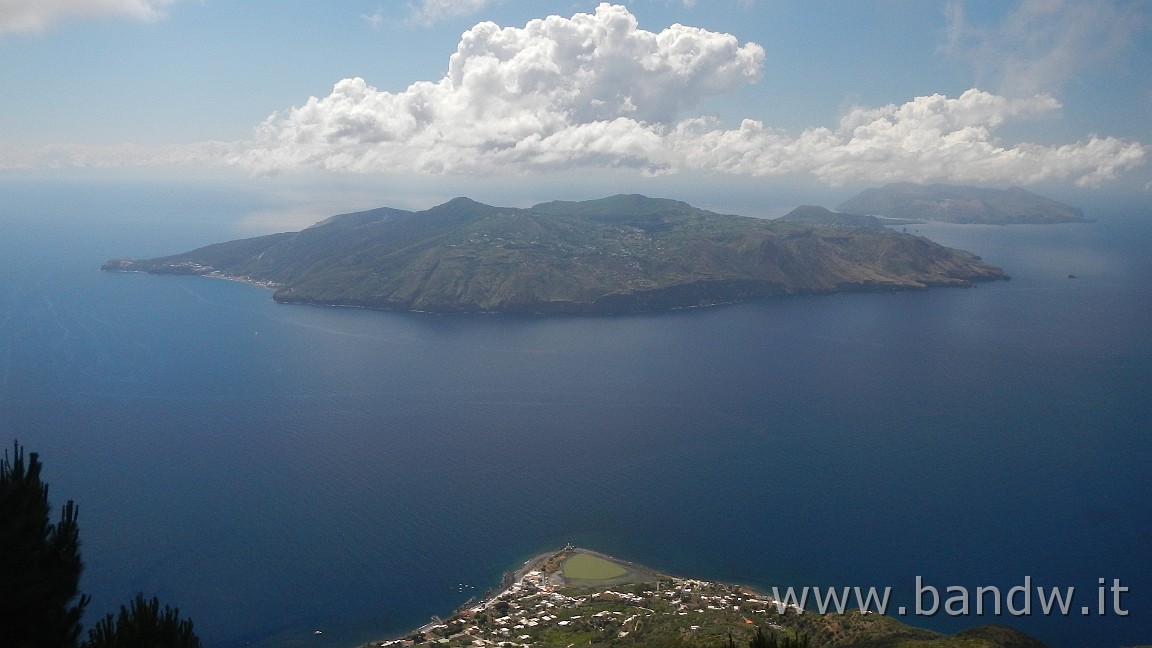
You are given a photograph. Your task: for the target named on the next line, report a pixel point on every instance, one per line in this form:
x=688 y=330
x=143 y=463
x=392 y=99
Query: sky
x=403 y=103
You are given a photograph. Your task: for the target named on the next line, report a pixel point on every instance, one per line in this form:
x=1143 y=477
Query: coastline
x=573 y=596
x=195 y=270
x=546 y=576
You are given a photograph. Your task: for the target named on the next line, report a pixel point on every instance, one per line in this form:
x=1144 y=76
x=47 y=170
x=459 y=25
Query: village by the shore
x=543 y=601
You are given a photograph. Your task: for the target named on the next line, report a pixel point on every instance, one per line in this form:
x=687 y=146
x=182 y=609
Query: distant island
x=581 y=597
x=621 y=254
x=967 y=205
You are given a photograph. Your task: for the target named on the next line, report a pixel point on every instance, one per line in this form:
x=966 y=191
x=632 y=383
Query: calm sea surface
x=275 y=470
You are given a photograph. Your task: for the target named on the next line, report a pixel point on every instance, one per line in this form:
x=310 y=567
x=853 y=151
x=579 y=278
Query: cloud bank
x=36 y=15
x=596 y=91
x=931 y=138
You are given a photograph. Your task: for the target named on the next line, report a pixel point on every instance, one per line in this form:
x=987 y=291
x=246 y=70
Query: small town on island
x=578 y=596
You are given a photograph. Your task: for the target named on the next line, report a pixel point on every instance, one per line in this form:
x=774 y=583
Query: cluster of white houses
x=538 y=602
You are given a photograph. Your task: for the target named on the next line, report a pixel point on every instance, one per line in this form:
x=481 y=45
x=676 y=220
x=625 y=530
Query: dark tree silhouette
x=40 y=564
x=772 y=640
x=761 y=640
x=143 y=623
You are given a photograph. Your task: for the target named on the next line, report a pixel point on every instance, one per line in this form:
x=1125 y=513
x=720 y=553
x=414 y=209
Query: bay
x=276 y=470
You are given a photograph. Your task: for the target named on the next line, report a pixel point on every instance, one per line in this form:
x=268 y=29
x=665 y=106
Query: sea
x=324 y=477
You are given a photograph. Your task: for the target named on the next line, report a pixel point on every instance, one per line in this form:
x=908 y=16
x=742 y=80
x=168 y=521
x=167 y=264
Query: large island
x=622 y=254
x=962 y=204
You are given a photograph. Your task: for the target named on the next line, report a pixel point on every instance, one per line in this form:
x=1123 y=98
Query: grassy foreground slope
x=555 y=601
x=621 y=254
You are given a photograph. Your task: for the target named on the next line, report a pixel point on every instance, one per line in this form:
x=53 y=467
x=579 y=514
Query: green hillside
x=619 y=254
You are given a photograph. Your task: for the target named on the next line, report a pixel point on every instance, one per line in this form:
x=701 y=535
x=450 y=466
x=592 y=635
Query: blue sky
x=674 y=97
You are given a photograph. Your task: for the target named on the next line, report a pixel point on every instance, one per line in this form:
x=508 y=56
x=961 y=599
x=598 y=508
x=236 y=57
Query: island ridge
x=621 y=254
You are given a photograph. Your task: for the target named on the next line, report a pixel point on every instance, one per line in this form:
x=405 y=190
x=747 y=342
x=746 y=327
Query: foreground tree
x=40 y=573
x=143 y=624
x=772 y=640
x=40 y=564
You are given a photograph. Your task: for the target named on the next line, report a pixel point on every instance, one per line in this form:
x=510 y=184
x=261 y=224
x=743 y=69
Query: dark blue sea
x=275 y=470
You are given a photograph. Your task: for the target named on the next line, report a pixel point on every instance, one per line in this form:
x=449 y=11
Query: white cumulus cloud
x=36 y=15
x=932 y=138
x=596 y=91
x=561 y=84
